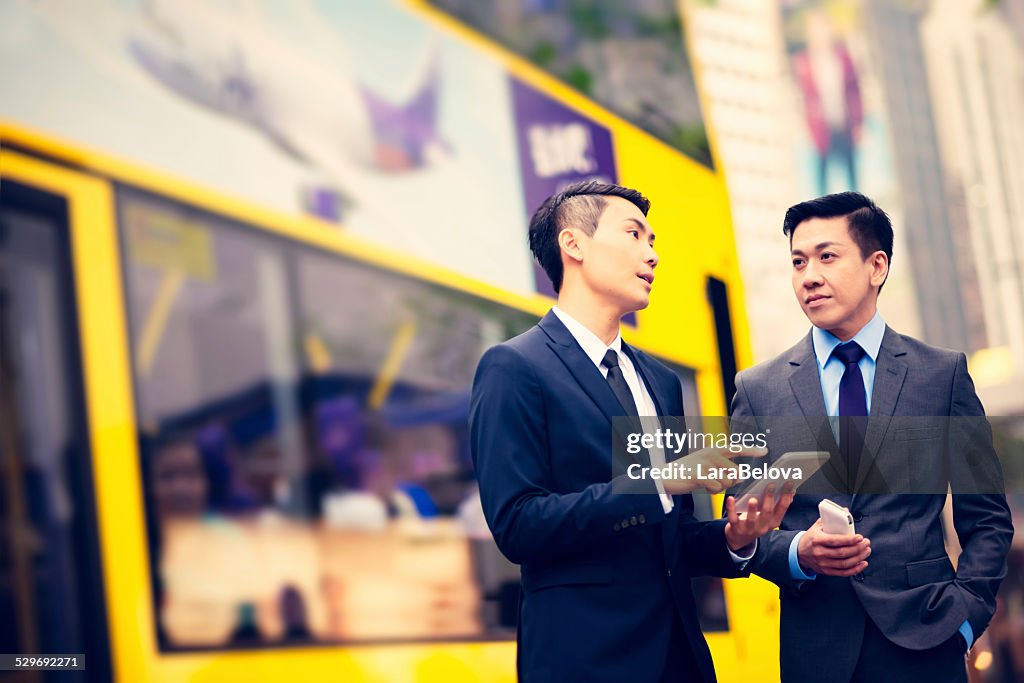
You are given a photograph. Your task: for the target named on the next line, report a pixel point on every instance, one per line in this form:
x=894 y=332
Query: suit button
x=857 y=517
x=858 y=577
x=615 y=527
x=632 y=521
x=643 y=520
x=625 y=523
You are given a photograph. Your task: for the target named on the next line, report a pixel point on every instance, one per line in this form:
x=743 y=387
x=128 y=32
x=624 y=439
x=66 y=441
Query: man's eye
x=635 y=234
x=797 y=262
x=827 y=257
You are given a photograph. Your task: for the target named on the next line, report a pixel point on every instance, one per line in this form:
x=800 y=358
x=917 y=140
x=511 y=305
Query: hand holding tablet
x=791 y=470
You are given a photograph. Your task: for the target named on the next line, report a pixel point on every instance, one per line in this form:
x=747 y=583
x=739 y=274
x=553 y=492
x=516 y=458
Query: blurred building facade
x=748 y=54
x=934 y=213
x=944 y=156
x=738 y=48
x=976 y=68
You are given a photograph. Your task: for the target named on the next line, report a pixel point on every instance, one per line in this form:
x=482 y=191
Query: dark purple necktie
x=853 y=409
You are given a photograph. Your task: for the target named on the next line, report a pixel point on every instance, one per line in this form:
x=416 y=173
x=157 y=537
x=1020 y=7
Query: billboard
x=362 y=114
x=630 y=57
x=843 y=141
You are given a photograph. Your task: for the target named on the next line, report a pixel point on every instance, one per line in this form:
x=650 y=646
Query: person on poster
x=884 y=604
x=833 y=108
x=606 y=562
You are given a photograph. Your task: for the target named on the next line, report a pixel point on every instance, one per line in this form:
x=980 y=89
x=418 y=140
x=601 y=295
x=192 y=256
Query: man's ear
x=569 y=243
x=879 y=268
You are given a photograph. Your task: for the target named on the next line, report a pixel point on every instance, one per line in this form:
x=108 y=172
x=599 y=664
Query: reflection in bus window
x=303 y=429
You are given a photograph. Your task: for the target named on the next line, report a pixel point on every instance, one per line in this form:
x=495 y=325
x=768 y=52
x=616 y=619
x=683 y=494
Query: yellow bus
x=129 y=296
x=234 y=437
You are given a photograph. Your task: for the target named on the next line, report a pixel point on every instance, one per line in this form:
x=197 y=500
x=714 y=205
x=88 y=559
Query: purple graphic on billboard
x=558 y=146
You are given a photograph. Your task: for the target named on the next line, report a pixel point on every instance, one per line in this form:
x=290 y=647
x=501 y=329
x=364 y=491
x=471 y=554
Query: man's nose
x=812 y=276
x=652 y=258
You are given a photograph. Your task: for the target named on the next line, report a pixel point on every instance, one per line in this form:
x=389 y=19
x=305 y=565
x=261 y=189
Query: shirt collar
x=869 y=338
x=590 y=342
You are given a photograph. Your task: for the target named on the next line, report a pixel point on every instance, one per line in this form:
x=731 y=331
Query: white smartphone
x=835 y=519
x=792 y=468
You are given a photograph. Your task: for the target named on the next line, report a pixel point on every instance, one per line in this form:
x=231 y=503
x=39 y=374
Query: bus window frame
x=55 y=204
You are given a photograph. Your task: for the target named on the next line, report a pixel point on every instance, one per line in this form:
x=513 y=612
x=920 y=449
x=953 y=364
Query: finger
x=782 y=507
x=730 y=511
x=846 y=572
x=768 y=506
x=749 y=516
x=712 y=485
x=747 y=452
x=839 y=540
x=844 y=566
x=858 y=551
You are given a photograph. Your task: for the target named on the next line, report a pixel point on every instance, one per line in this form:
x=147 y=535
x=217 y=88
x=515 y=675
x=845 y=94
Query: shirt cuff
x=666 y=500
x=742 y=561
x=968 y=633
x=795 y=570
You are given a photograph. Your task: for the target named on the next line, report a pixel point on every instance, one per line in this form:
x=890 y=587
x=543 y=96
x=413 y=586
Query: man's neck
x=597 y=316
x=849 y=330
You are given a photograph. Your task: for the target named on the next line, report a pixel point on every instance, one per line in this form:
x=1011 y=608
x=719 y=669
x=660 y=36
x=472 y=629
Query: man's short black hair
x=578 y=206
x=869 y=226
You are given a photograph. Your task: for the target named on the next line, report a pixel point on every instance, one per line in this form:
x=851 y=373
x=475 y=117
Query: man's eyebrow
x=644 y=227
x=818 y=247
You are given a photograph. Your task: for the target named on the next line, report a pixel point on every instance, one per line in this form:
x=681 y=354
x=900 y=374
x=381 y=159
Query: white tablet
x=793 y=468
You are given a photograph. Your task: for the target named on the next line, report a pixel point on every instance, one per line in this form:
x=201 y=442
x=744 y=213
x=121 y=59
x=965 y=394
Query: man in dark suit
x=904 y=614
x=606 y=562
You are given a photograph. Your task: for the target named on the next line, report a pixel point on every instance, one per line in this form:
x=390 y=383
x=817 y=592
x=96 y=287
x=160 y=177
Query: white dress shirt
x=595 y=350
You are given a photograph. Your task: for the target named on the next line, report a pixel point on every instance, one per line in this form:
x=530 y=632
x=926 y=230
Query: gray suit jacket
x=910 y=589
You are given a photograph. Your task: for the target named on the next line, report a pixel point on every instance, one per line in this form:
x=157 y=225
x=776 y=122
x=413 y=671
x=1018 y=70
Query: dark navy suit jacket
x=604 y=571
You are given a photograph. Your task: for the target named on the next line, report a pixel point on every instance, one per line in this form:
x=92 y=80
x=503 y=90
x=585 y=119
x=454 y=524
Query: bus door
x=51 y=592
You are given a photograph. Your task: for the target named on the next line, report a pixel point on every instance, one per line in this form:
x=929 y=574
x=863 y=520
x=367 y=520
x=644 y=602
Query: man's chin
x=817 y=318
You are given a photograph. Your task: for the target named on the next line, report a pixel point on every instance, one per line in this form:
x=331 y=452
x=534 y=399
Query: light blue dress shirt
x=830 y=373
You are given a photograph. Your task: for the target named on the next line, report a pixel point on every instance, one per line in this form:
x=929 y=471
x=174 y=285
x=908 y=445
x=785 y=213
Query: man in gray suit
x=885 y=604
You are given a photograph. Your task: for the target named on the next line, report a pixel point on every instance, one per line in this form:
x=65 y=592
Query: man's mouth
x=816 y=300
x=647 y=277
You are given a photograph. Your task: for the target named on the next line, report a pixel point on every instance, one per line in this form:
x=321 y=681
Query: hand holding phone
x=835 y=518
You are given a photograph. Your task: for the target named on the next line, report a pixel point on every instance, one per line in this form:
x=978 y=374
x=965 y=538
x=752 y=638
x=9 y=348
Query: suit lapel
x=890 y=373
x=806 y=385
x=657 y=388
x=587 y=376
x=651 y=380
x=580 y=366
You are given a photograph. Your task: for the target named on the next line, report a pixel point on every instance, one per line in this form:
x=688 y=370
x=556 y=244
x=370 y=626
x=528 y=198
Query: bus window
x=388 y=368
x=303 y=429
x=51 y=591
x=220 y=439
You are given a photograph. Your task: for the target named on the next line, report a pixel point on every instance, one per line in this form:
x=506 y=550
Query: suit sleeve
x=982 y=520
x=509 y=439
x=705 y=550
x=771 y=561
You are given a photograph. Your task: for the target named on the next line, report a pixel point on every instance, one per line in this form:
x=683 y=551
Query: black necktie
x=853 y=409
x=618 y=383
